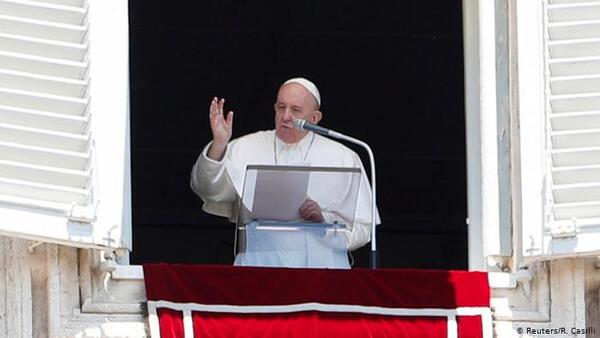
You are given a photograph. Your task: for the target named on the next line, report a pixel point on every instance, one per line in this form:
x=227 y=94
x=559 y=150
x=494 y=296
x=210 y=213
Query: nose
x=287 y=114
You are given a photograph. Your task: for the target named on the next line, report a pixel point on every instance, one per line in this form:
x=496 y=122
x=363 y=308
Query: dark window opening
x=389 y=72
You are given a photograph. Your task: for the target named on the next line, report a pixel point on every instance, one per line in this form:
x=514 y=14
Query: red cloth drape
x=249 y=291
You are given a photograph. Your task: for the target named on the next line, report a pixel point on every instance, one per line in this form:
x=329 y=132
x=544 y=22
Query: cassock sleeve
x=210 y=181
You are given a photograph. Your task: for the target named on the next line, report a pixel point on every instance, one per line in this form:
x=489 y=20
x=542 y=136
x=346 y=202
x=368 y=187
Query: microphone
x=303 y=124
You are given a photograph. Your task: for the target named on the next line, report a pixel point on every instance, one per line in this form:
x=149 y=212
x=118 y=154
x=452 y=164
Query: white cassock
x=220 y=185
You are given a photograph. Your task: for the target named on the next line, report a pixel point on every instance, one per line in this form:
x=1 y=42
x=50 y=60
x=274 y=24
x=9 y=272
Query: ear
x=316 y=117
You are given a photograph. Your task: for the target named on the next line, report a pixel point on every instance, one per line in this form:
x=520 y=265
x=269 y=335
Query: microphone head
x=299 y=124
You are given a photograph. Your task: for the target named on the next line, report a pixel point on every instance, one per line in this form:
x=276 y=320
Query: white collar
x=304 y=144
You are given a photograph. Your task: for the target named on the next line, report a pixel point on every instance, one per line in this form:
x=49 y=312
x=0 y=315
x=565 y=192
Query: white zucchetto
x=311 y=87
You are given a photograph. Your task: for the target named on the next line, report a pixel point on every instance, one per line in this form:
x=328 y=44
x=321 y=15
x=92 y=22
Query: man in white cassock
x=218 y=178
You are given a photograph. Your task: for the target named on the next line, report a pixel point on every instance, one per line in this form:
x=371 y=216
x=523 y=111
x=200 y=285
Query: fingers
x=217 y=117
x=310 y=210
x=220 y=125
x=308 y=204
x=313 y=215
x=229 y=120
x=221 y=103
x=303 y=207
x=213 y=107
x=216 y=106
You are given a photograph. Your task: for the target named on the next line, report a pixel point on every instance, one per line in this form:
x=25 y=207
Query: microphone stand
x=374 y=257
x=302 y=124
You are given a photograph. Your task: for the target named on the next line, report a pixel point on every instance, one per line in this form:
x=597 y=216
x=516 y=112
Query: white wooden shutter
x=63 y=135
x=572 y=30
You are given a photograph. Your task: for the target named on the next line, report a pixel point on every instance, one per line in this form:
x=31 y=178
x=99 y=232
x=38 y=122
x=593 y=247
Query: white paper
x=279 y=194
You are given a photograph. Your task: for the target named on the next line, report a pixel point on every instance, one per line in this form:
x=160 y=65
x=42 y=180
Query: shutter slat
x=43 y=138
x=45 y=102
x=580 y=192
x=41 y=29
x=577 y=174
x=575 y=84
x=575 y=66
x=43 y=174
x=44 y=192
x=74 y=3
x=43 y=120
x=574 y=102
x=573 y=12
x=42 y=65
x=575 y=138
x=565 y=211
x=573 y=121
x=574 y=48
x=44 y=156
x=42 y=83
x=43 y=11
x=576 y=156
x=43 y=47
x=552 y=2
x=574 y=30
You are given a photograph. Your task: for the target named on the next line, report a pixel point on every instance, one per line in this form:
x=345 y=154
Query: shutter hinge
x=83 y=214
x=524 y=276
x=564 y=229
x=109 y=263
x=32 y=245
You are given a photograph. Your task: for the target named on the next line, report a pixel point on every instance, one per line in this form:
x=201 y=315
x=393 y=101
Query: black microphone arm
x=302 y=124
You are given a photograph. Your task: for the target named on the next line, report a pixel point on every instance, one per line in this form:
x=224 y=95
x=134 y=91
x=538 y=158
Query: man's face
x=294 y=102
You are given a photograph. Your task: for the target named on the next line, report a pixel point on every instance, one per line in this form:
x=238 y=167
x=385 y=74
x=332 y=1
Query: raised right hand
x=220 y=126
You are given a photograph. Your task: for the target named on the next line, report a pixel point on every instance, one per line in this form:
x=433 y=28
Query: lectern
x=270 y=231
